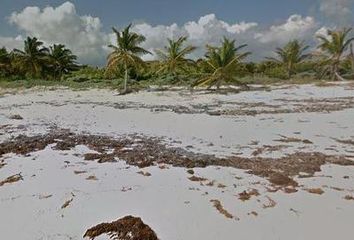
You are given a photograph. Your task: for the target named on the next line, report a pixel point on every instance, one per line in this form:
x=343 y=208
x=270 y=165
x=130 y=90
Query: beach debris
x=67 y=203
x=64 y=146
x=102 y=158
x=145 y=174
x=220 y=185
x=317 y=191
x=290 y=190
x=126 y=189
x=197 y=179
x=271 y=203
x=79 y=172
x=286 y=139
x=16 y=117
x=92 y=178
x=11 y=179
x=345 y=141
x=126 y=228
x=45 y=196
x=246 y=195
x=211 y=183
x=91 y=156
x=295 y=211
x=148 y=151
x=163 y=166
x=190 y=171
x=349 y=197
x=337 y=189
x=268 y=149
x=281 y=180
x=253 y=213
x=217 y=204
x=2 y=164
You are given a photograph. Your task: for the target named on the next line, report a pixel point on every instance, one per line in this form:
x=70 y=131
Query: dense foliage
x=224 y=64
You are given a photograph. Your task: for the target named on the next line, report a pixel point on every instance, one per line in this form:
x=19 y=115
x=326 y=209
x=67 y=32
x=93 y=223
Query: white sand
x=165 y=201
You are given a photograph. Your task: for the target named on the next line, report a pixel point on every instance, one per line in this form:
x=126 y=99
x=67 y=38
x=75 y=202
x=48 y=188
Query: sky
x=85 y=25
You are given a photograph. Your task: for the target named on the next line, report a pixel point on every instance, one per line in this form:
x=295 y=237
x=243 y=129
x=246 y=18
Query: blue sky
x=84 y=25
x=121 y=12
x=167 y=11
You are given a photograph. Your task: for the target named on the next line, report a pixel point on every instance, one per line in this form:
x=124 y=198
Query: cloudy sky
x=84 y=25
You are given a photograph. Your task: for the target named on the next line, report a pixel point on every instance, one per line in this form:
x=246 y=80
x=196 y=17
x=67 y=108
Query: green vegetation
x=126 y=53
x=290 y=56
x=224 y=63
x=333 y=49
x=173 y=58
x=56 y=65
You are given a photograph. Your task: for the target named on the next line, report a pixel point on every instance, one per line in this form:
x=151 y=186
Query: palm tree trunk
x=289 y=70
x=336 y=68
x=289 y=73
x=125 y=78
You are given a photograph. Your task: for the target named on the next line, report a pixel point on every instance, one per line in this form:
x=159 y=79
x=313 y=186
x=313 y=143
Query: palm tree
x=127 y=52
x=333 y=47
x=61 y=60
x=174 y=56
x=290 y=56
x=33 y=58
x=347 y=65
x=223 y=62
x=5 y=60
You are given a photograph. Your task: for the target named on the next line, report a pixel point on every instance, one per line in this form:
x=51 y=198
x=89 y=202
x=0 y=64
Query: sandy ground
x=272 y=123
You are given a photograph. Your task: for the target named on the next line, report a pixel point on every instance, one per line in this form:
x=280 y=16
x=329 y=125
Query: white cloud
x=338 y=10
x=207 y=30
x=11 y=43
x=210 y=30
x=295 y=27
x=63 y=25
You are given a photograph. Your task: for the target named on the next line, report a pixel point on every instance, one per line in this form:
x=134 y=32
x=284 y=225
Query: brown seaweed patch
x=349 y=197
x=246 y=195
x=253 y=213
x=197 y=179
x=11 y=179
x=217 y=204
x=317 y=191
x=127 y=228
x=149 y=151
x=281 y=180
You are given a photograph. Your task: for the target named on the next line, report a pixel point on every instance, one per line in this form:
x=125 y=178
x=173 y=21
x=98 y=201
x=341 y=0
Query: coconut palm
x=127 y=52
x=347 y=65
x=5 y=60
x=61 y=60
x=174 y=56
x=290 y=56
x=223 y=62
x=333 y=48
x=33 y=58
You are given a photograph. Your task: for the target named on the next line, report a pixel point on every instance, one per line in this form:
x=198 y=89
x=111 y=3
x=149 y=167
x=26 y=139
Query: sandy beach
x=276 y=163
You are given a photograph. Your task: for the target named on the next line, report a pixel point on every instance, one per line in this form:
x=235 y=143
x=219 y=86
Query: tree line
x=38 y=61
x=221 y=64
